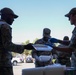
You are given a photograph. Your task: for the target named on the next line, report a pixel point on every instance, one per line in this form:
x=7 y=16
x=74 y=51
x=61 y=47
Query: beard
x=9 y=21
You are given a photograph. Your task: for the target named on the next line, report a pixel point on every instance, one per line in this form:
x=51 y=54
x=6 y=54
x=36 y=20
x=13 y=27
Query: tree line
x=26 y=52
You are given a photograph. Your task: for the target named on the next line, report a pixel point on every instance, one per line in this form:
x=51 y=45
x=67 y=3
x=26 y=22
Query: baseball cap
x=46 y=32
x=72 y=11
x=8 y=11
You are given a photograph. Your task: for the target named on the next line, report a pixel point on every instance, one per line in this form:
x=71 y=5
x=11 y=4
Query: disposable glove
x=29 y=46
x=54 y=40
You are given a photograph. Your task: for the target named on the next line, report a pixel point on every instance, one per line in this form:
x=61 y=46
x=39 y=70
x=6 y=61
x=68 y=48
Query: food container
x=41 y=47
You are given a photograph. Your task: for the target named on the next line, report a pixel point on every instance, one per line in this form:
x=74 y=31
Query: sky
x=35 y=15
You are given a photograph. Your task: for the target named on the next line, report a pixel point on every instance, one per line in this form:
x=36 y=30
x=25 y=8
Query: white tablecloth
x=44 y=71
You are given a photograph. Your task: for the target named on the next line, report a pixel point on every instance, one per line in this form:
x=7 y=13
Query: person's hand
x=29 y=46
x=38 y=61
x=54 y=40
x=37 y=58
